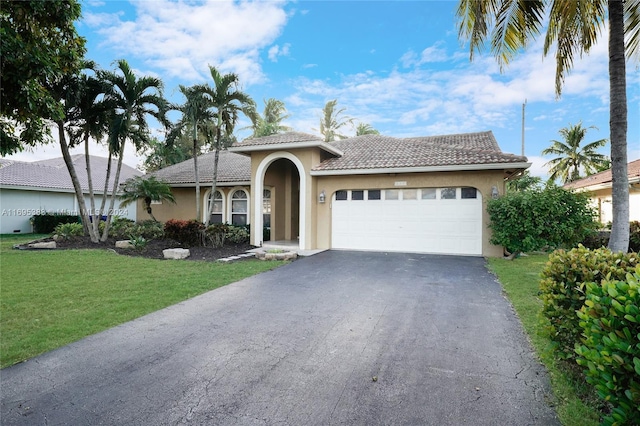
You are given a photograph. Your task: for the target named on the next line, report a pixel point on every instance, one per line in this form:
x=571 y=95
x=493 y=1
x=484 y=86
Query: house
x=599 y=188
x=29 y=188
x=372 y=192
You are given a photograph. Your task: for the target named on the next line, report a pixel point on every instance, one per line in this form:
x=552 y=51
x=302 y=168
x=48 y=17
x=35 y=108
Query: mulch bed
x=154 y=248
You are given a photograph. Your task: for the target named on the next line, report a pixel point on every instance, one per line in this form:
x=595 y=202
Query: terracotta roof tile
x=602 y=178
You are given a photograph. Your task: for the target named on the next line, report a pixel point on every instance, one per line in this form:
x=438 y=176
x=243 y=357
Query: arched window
x=239 y=207
x=216 y=215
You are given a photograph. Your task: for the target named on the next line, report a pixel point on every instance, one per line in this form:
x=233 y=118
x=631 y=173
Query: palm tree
x=270 y=123
x=572 y=158
x=134 y=100
x=90 y=119
x=226 y=103
x=147 y=190
x=332 y=121
x=365 y=129
x=195 y=115
x=573 y=27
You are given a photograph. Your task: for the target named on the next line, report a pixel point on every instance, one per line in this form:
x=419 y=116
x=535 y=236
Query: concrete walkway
x=337 y=338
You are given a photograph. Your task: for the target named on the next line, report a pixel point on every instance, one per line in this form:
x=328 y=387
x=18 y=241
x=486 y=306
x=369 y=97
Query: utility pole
x=523 y=105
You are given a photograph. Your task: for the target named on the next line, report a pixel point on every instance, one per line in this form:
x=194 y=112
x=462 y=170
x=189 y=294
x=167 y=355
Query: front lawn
x=520 y=280
x=52 y=298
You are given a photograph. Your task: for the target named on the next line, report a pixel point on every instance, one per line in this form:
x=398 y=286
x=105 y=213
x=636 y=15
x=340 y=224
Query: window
x=448 y=194
x=467 y=193
x=391 y=194
x=341 y=195
x=239 y=208
x=409 y=194
x=216 y=215
x=357 y=195
x=266 y=208
x=428 y=193
x=373 y=194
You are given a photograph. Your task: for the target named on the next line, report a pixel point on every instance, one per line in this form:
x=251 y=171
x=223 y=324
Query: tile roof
x=278 y=139
x=382 y=152
x=232 y=168
x=359 y=153
x=604 y=178
x=53 y=173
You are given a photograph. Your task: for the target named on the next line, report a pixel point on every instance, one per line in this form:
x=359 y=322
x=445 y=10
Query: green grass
x=520 y=281
x=52 y=298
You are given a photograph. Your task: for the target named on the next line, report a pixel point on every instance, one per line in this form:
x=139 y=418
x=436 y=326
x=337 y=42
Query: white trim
x=452 y=168
x=205 y=211
x=230 y=204
x=288 y=145
x=258 y=186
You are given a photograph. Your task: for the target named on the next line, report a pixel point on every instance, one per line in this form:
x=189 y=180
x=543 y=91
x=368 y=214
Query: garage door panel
x=429 y=226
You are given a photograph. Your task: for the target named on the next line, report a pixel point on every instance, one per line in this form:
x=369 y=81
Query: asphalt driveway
x=337 y=338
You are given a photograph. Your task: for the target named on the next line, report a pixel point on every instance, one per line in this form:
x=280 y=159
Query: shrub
x=186 y=232
x=634 y=236
x=562 y=289
x=139 y=243
x=600 y=238
x=68 y=230
x=46 y=223
x=237 y=234
x=536 y=219
x=149 y=229
x=215 y=234
x=121 y=227
x=610 y=322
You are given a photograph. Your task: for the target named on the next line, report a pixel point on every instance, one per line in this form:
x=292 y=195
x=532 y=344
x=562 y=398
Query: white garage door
x=426 y=220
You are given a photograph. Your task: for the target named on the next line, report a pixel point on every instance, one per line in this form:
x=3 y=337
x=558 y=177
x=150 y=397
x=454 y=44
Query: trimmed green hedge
x=610 y=323
x=46 y=223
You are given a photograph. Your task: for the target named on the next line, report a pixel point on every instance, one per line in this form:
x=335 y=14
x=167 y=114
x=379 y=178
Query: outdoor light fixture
x=322 y=197
x=494 y=192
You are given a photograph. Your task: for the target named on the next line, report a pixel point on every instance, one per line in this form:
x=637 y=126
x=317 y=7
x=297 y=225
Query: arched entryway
x=286 y=179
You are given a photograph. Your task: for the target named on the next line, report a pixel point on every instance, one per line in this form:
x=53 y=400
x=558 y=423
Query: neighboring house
x=28 y=188
x=372 y=192
x=599 y=188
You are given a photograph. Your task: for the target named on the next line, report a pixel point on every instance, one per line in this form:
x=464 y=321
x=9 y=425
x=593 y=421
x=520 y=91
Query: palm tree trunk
x=197 y=177
x=214 y=183
x=619 y=241
x=93 y=228
x=106 y=184
x=74 y=176
x=114 y=190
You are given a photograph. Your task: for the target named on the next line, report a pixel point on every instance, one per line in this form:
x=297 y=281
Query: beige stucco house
x=599 y=188
x=372 y=192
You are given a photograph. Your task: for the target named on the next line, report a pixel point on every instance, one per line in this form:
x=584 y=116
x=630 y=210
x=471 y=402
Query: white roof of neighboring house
x=53 y=174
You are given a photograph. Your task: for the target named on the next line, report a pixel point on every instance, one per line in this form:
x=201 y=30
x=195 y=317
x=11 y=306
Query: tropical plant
x=572 y=157
x=270 y=122
x=68 y=230
x=573 y=28
x=226 y=103
x=162 y=154
x=365 y=129
x=145 y=189
x=134 y=99
x=40 y=46
x=332 y=121
x=537 y=219
x=525 y=182
x=196 y=115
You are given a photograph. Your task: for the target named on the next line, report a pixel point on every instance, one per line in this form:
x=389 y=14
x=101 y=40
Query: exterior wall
x=601 y=201
x=185 y=206
x=483 y=181
x=18 y=205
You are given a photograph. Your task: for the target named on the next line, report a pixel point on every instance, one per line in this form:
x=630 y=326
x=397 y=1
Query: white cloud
x=182 y=38
x=277 y=50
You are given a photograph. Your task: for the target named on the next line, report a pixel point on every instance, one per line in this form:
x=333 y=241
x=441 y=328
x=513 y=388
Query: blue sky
x=397 y=65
